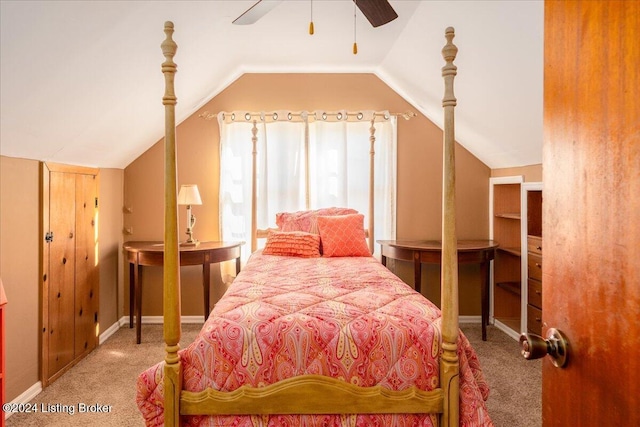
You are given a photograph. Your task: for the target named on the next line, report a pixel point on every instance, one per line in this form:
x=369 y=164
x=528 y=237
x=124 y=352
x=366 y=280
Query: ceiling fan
x=377 y=12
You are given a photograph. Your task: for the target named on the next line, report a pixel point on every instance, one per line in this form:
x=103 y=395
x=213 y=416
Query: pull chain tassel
x=355 y=44
x=311 y=29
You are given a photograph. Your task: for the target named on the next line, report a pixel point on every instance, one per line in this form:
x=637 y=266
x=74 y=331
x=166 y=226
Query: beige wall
x=531 y=173
x=419 y=176
x=20 y=188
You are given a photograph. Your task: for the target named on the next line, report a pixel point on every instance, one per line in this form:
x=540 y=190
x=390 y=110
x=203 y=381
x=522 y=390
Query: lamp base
x=190 y=243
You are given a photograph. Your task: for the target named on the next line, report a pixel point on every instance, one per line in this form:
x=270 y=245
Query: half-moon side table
x=430 y=252
x=152 y=254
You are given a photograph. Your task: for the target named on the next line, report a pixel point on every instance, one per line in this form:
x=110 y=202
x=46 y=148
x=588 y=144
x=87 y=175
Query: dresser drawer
x=534 y=294
x=534 y=263
x=534 y=244
x=534 y=319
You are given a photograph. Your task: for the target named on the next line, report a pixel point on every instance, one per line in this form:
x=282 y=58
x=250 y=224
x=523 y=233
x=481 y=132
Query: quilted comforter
x=347 y=318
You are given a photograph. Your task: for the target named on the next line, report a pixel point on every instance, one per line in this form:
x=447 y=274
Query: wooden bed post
x=449 y=364
x=254 y=187
x=171 y=281
x=372 y=153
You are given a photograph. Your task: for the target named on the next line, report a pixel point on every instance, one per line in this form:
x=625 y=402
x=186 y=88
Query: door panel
x=86 y=271
x=61 y=271
x=591 y=217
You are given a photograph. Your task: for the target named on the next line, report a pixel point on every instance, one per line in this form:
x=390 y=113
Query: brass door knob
x=555 y=345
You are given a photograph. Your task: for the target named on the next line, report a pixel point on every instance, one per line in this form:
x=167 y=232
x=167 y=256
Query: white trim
x=159 y=320
x=26 y=397
x=470 y=319
x=506 y=329
x=108 y=332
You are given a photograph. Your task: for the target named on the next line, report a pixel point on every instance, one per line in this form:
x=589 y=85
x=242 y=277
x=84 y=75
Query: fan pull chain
x=355 y=44
x=311 y=30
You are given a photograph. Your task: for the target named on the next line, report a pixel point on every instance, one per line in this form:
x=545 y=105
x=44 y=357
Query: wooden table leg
x=206 y=277
x=417 y=272
x=237 y=266
x=138 y=288
x=132 y=287
x=484 y=290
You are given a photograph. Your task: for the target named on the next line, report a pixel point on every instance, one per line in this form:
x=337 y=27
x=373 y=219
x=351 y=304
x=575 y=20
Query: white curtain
x=338 y=146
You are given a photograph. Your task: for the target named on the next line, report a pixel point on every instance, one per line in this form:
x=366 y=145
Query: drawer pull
x=539 y=248
x=538 y=292
x=538 y=265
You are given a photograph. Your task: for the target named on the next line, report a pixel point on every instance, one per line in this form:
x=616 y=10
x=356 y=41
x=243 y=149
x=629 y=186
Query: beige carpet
x=514 y=400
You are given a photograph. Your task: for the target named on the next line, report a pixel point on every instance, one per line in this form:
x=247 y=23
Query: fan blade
x=255 y=12
x=378 y=12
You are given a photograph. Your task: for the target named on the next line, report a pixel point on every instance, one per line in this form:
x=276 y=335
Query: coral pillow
x=294 y=243
x=307 y=221
x=343 y=235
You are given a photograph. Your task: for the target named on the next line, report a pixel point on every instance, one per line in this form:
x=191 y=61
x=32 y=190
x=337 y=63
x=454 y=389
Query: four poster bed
x=304 y=339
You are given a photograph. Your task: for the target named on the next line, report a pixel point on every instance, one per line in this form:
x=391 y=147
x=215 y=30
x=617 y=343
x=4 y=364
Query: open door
x=591 y=216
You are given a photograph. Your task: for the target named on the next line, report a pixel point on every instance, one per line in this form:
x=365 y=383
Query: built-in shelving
x=505 y=228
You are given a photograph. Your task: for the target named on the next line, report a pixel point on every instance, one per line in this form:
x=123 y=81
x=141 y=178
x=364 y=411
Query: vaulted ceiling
x=80 y=81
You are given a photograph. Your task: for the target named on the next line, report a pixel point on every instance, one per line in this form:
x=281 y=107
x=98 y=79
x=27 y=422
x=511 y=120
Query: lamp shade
x=189 y=195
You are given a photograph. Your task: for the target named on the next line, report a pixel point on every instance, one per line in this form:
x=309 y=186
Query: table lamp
x=189 y=195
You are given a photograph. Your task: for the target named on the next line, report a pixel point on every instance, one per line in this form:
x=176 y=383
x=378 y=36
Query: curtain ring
x=275 y=116
x=247 y=116
x=360 y=115
x=233 y=116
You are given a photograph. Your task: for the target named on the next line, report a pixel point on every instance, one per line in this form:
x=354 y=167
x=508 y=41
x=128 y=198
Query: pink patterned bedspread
x=347 y=318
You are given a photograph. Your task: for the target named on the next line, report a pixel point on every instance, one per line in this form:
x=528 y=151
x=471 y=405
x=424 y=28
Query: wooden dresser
x=534 y=284
x=534 y=260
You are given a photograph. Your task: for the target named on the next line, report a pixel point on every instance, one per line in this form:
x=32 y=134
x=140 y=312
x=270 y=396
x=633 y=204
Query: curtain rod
x=406 y=115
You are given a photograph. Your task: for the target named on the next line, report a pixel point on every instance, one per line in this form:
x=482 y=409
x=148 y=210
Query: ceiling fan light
x=311 y=28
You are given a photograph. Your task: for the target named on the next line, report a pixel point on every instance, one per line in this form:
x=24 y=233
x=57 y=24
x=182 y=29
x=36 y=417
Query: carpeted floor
x=514 y=401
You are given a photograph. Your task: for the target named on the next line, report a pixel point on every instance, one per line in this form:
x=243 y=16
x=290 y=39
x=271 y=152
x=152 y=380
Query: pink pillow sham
x=343 y=235
x=307 y=221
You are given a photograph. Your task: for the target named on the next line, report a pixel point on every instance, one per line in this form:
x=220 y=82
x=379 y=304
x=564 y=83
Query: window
x=305 y=161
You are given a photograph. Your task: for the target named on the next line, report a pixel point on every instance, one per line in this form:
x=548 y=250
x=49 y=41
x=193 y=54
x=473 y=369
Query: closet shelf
x=511 y=251
x=513 y=287
x=511 y=215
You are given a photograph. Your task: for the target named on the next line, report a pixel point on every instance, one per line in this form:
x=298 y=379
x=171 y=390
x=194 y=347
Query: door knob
x=555 y=345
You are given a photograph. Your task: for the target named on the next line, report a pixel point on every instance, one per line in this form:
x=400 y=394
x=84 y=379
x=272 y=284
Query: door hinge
x=96 y=202
x=48 y=237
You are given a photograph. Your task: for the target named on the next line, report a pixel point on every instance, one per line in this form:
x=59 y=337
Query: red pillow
x=294 y=243
x=343 y=235
x=307 y=220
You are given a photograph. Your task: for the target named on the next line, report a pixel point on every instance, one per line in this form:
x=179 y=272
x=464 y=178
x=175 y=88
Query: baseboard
x=159 y=320
x=26 y=397
x=507 y=330
x=110 y=331
x=470 y=319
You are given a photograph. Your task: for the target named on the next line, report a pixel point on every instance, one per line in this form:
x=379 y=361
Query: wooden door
x=591 y=213
x=70 y=279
